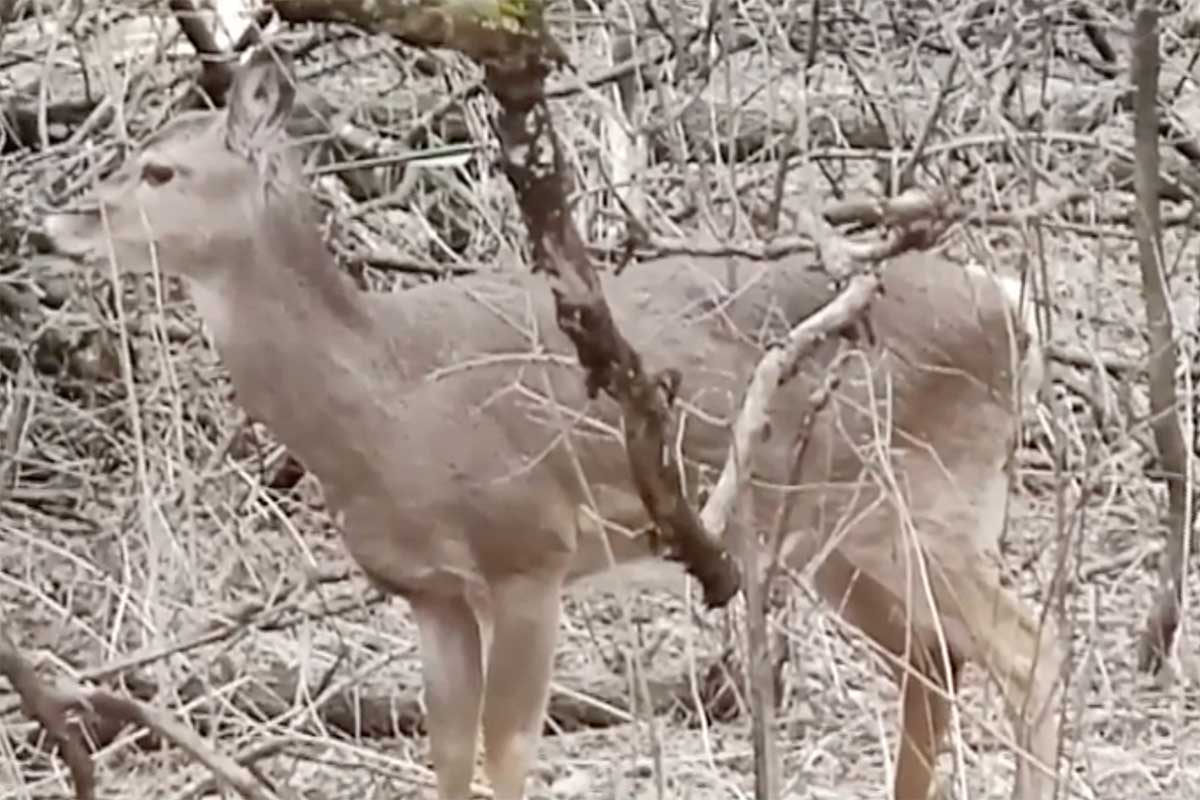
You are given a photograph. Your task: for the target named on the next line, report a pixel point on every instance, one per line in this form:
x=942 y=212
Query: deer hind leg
x=1025 y=658
x=452 y=670
x=925 y=716
x=525 y=615
x=877 y=612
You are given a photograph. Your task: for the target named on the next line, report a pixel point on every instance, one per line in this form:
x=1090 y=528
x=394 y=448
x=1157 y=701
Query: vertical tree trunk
x=1163 y=621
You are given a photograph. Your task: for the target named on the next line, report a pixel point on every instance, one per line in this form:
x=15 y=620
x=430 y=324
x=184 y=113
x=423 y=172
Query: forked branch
x=50 y=707
x=781 y=362
x=42 y=705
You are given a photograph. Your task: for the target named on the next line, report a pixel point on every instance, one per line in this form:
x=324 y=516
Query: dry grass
x=140 y=544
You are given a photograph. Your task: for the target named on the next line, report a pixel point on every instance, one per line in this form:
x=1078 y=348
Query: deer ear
x=259 y=101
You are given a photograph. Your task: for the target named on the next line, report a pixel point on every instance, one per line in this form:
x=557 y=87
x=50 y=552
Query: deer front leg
x=452 y=671
x=525 y=614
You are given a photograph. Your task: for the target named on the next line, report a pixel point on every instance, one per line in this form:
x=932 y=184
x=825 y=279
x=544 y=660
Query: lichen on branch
x=490 y=32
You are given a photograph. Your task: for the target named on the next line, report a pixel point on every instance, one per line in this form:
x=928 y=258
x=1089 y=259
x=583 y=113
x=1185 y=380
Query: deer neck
x=294 y=335
x=281 y=285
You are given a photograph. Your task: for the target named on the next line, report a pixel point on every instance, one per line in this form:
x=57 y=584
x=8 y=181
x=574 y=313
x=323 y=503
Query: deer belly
x=406 y=556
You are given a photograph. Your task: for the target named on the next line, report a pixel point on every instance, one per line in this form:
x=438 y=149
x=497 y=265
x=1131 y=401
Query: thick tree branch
x=216 y=64
x=535 y=167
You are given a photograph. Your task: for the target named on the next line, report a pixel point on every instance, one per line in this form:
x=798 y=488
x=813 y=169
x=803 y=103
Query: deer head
x=186 y=202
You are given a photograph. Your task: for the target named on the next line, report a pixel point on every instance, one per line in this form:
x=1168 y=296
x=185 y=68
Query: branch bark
x=1163 y=621
x=216 y=64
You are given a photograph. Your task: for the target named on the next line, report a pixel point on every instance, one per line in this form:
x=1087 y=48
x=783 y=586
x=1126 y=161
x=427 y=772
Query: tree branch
x=42 y=705
x=49 y=707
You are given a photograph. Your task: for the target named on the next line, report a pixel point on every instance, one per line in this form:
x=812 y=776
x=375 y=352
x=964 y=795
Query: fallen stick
x=50 y=706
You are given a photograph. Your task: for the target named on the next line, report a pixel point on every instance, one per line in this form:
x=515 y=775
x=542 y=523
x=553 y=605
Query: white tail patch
x=1031 y=357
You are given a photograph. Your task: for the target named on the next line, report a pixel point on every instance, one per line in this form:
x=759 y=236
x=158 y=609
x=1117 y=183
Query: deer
x=471 y=474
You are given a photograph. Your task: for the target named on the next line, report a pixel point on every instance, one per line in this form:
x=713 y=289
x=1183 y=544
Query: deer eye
x=157 y=174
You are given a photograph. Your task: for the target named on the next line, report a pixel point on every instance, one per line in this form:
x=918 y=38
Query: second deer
x=470 y=474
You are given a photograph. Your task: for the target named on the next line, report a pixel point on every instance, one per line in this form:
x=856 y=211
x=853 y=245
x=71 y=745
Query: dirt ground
x=149 y=544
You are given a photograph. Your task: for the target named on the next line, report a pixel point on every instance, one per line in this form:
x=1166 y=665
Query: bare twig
x=772 y=372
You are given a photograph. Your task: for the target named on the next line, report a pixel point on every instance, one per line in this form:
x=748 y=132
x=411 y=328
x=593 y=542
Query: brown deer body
x=456 y=447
